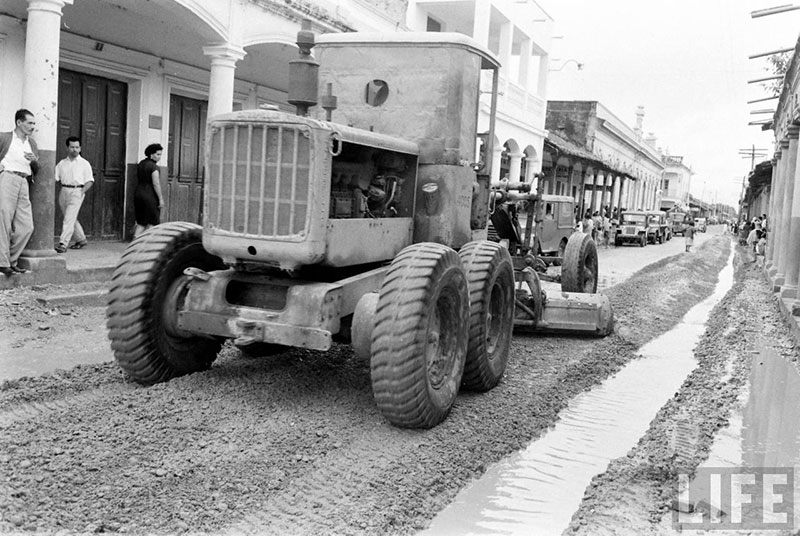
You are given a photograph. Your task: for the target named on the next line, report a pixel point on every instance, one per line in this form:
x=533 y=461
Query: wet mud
x=637 y=493
x=293 y=443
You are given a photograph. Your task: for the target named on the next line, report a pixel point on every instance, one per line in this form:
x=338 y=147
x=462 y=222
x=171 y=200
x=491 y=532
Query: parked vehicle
x=633 y=229
x=558 y=224
x=658 y=229
x=680 y=221
x=700 y=224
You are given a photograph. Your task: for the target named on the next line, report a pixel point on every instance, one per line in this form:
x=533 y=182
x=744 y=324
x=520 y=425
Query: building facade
x=595 y=157
x=783 y=201
x=676 y=182
x=518 y=32
x=122 y=75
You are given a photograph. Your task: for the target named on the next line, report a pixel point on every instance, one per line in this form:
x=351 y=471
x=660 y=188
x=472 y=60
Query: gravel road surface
x=293 y=443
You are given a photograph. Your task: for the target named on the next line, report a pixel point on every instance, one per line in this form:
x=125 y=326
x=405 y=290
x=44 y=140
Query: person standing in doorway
x=19 y=163
x=147 y=199
x=74 y=173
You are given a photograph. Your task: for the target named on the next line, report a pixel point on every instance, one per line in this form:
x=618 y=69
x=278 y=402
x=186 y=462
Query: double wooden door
x=94 y=109
x=183 y=194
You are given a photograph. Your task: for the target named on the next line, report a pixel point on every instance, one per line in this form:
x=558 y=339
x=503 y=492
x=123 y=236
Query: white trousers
x=16 y=217
x=70 y=200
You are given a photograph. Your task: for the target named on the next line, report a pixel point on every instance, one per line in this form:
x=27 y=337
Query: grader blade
x=576 y=312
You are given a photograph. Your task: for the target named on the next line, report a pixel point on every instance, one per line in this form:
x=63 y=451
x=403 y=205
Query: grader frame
x=371 y=228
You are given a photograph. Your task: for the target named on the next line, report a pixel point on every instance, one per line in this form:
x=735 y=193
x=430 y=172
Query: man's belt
x=71 y=186
x=20 y=173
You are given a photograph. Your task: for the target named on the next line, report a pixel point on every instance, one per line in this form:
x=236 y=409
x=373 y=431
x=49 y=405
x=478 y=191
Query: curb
x=92 y=275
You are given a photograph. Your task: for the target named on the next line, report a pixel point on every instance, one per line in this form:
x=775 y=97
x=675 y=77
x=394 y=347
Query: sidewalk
x=95 y=262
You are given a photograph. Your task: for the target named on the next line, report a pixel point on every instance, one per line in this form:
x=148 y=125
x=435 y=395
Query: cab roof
x=413 y=39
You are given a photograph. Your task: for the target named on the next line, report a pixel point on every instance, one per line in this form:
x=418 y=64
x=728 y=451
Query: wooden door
x=94 y=109
x=184 y=189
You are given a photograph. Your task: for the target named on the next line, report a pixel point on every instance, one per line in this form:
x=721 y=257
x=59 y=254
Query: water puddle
x=537 y=490
x=764 y=428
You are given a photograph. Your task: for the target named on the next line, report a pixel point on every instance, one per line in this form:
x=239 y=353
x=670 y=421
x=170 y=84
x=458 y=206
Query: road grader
x=370 y=226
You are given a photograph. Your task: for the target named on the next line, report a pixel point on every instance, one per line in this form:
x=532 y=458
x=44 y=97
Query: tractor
x=370 y=228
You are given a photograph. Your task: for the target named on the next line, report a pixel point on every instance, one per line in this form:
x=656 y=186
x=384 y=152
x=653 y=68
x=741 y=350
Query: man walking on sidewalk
x=75 y=175
x=19 y=163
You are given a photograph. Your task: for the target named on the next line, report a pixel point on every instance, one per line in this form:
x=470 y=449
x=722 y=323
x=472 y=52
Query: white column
x=223 y=68
x=40 y=97
x=515 y=167
x=544 y=68
x=525 y=53
x=497 y=154
x=772 y=216
x=530 y=168
x=482 y=20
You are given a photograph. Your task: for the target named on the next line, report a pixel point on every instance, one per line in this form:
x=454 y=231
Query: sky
x=687 y=63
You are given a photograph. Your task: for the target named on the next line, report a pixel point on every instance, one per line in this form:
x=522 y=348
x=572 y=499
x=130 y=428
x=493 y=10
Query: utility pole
x=752 y=153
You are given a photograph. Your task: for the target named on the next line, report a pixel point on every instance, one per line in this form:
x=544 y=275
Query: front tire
x=147 y=289
x=419 y=342
x=490 y=278
x=579 y=273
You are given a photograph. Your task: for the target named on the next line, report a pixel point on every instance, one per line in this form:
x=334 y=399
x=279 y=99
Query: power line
x=752 y=153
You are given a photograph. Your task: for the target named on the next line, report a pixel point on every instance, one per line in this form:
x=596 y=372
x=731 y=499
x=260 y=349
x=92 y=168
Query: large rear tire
x=579 y=273
x=420 y=338
x=147 y=288
x=490 y=277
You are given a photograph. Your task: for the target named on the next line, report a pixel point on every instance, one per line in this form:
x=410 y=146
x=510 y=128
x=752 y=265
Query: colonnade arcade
x=595 y=186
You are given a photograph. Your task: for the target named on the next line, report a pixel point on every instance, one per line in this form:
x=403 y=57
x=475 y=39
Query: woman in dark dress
x=147 y=199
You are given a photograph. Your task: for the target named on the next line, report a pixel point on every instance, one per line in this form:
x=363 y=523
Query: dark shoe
x=61 y=248
x=19 y=270
x=78 y=245
x=7 y=271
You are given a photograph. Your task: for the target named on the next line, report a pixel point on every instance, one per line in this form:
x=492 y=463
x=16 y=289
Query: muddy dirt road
x=293 y=443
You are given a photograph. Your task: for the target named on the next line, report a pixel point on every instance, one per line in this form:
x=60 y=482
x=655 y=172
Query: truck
x=659 y=227
x=634 y=227
x=680 y=221
x=370 y=228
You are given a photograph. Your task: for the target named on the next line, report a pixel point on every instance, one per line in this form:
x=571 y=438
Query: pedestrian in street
x=689 y=236
x=761 y=247
x=752 y=240
x=147 y=199
x=588 y=224
x=606 y=231
x=19 y=163
x=74 y=173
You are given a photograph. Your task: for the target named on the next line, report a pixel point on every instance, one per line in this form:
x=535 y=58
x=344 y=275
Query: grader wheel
x=579 y=272
x=147 y=289
x=420 y=337
x=490 y=276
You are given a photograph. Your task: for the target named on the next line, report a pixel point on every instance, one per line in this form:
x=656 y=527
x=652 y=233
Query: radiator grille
x=258 y=179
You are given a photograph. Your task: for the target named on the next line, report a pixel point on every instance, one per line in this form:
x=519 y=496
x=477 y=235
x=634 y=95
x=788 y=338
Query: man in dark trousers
x=19 y=158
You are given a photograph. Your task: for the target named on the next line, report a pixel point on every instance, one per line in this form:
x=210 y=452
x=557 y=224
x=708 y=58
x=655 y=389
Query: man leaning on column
x=19 y=158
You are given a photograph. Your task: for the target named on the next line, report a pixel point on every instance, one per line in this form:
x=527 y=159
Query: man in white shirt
x=19 y=163
x=75 y=175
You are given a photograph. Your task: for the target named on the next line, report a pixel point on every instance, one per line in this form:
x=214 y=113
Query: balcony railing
x=514 y=99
